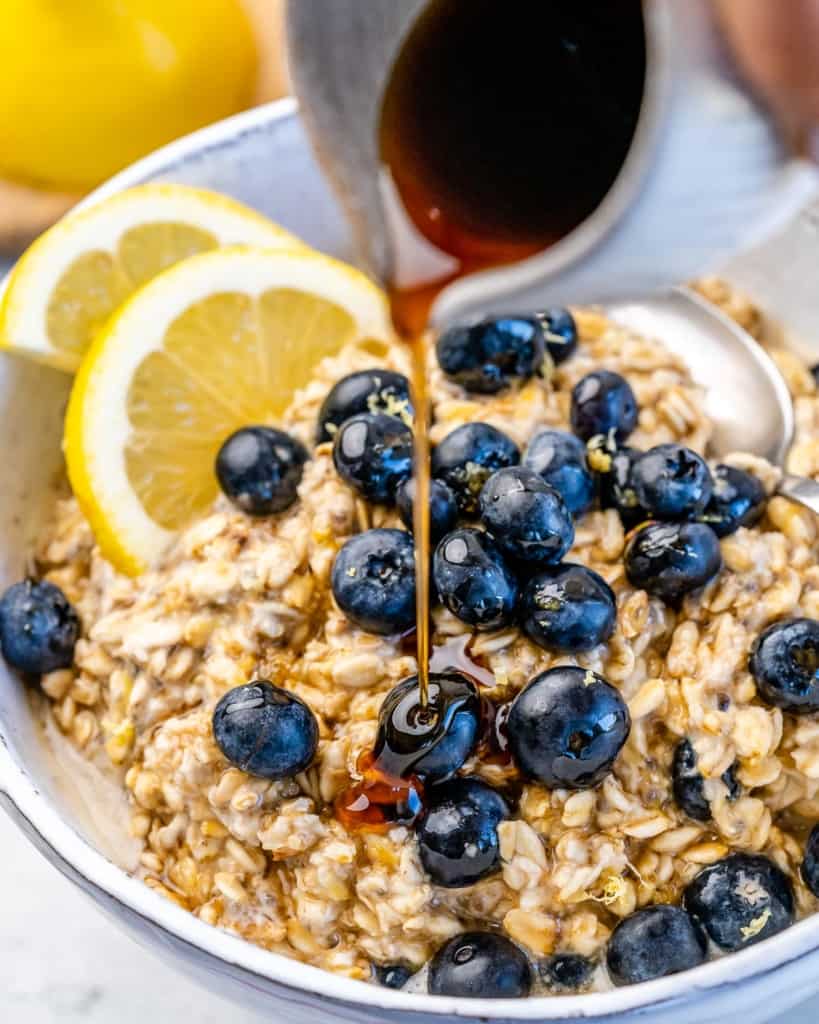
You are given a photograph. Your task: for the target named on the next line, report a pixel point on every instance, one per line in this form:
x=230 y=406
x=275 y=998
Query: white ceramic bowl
x=262 y=158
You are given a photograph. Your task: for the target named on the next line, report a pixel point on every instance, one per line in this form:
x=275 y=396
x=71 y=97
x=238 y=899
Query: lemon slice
x=216 y=343
x=70 y=281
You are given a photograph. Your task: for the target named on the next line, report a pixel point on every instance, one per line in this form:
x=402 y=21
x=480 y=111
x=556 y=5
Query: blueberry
x=689 y=785
x=654 y=943
x=526 y=517
x=741 y=900
x=488 y=356
x=603 y=403
x=669 y=560
x=785 y=664
x=568 y=609
x=373 y=581
x=671 y=482
x=810 y=865
x=612 y=465
x=392 y=975
x=372 y=453
x=431 y=742
x=566 y=972
x=259 y=469
x=473 y=579
x=738 y=499
x=467 y=457
x=814 y=370
x=567 y=727
x=38 y=627
x=480 y=965
x=365 y=391
x=560 y=331
x=443 y=509
x=458 y=833
x=265 y=731
x=560 y=460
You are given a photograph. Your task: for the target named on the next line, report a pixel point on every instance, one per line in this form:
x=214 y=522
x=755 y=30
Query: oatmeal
x=703 y=767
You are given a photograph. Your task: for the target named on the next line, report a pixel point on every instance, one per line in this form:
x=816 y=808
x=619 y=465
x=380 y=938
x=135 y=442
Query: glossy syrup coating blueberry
x=527 y=518
x=612 y=465
x=560 y=460
x=467 y=457
x=688 y=783
x=373 y=581
x=489 y=356
x=365 y=391
x=372 y=453
x=566 y=972
x=566 y=728
x=265 y=731
x=392 y=975
x=480 y=965
x=473 y=579
x=443 y=509
x=568 y=609
x=431 y=742
x=669 y=560
x=560 y=332
x=671 y=482
x=810 y=865
x=654 y=943
x=785 y=665
x=741 y=900
x=738 y=499
x=603 y=403
x=458 y=833
x=38 y=627
x=260 y=468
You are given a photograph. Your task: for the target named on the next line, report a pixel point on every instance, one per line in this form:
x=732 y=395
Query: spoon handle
x=801 y=489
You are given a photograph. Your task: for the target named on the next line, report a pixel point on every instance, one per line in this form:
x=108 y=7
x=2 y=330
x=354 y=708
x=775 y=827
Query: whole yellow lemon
x=88 y=86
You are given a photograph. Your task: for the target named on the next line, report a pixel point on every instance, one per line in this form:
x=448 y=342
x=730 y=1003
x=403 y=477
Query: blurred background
x=89 y=86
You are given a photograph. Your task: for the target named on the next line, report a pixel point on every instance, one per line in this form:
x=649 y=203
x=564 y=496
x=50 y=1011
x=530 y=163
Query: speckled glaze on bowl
x=263 y=159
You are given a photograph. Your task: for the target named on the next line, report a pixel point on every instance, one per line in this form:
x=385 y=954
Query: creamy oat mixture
x=239 y=599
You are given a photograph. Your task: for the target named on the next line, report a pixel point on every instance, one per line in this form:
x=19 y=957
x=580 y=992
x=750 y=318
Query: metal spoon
x=745 y=394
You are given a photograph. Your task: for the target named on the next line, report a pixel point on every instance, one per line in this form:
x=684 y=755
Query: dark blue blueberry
x=741 y=900
x=566 y=972
x=810 y=865
x=38 y=627
x=688 y=783
x=372 y=453
x=364 y=391
x=671 y=482
x=567 y=727
x=492 y=354
x=669 y=560
x=738 y=500
x=265 y=731
x=392 y=975
x=603 y=403
x=473 y=579
x=560 y=331
x=654 y=943
x=259 y=469
x=373 y=581
x=785 y=664
x=815 y=373
x=443 y=509
x=612 y=465
x=568 y=609
x=431 y=742
x=467 y=457
x=560 y=459
x=480 y=965
x=458 y=834
x=527 y=518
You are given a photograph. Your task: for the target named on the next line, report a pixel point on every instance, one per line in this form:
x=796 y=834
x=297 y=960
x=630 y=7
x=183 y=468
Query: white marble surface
x=61 y=962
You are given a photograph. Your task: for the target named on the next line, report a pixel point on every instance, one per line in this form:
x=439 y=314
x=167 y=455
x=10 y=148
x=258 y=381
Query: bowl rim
x=75 y=857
